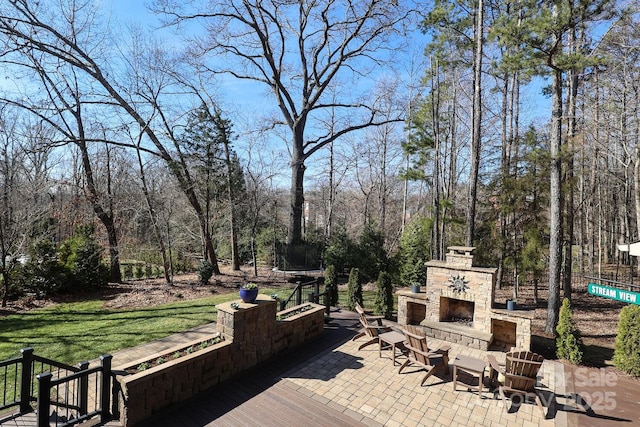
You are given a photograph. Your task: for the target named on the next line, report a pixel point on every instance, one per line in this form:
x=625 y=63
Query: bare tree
x=63 y=109
x=259 y=176
x=10 y=158
x=299 y=50
x=155 y=222
x=28 y=28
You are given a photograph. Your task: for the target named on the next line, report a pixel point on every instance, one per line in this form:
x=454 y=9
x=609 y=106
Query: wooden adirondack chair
x=371 y=327
x=520 y=374
x=421 y=355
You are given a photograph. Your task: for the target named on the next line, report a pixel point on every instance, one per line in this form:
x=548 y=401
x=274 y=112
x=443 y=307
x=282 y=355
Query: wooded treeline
x=515 y=130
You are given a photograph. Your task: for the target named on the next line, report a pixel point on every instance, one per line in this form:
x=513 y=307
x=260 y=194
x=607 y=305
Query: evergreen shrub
x=331 y=281
x=354 y=290
x=568 y=342
x=42 y=275
x=371 y=258
x=205 y=271
x=626 y=356
x=340 y=251
x=139 y=271
x=414 y=252
x=128 y=271
x=383 y=304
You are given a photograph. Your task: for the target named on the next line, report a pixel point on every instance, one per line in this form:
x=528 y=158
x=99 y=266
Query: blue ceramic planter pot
x=248 y=295
x=511 y=305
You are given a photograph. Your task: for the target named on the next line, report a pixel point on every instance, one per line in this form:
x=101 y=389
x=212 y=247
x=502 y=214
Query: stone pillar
x=250 y=328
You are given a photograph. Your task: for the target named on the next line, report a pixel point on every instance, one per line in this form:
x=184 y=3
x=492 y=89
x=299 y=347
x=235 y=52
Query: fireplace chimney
x=460 y=256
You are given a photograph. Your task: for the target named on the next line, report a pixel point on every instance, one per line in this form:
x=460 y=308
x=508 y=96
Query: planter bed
x=143 y=393
x=250 y=334
x=291 y=312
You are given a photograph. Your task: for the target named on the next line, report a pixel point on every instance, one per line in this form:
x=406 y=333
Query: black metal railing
x=32 y=378
x=313 y=291
x=612 y=283
x=78 y=397
x=11 y=371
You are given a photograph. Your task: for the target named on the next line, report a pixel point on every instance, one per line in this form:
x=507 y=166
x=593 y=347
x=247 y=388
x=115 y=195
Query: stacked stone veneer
x=480 y=283
x=252 y=335
x=489 y=323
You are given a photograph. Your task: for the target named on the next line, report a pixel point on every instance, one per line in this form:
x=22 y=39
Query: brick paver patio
x=368 y=385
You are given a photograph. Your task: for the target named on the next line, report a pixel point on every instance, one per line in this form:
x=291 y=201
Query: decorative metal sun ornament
x=458 y=283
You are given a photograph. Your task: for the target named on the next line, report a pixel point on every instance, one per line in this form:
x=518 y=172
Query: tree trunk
x=6 y=280
x=571 y=134
x=329 y=227
x=154 y=221
x=504 y=172
x=477 y=125
x=593 y=217
x=555 y=208
x=294 y=236
x=435 y=117
x=235 y=257
x=106 y=218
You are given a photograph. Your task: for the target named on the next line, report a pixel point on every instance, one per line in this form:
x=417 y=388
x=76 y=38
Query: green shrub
x=331 y=281
x=354 y=290
x=371 y=256
x=413 y=252
x=139 y=271
x=384 y=296
x=626 y=356
x=205 y=271
x=148 y=271
x=128 y=271
x=81 y=255
x=568 y=343
x=42 y=274
x=339 y=251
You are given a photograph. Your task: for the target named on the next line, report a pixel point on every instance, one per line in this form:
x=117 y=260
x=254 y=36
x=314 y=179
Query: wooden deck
x=240 y=405
x=262 y=397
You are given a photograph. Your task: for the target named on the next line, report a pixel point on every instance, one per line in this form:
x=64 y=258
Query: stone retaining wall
x=252 y=335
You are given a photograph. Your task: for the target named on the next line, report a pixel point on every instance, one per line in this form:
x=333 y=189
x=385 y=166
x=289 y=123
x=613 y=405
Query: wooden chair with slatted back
x=520 y=374
x=421 y=355
x=371 y=327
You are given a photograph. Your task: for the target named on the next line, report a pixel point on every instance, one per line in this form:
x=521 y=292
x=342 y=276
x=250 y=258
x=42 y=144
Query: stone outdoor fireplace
x=458 y=305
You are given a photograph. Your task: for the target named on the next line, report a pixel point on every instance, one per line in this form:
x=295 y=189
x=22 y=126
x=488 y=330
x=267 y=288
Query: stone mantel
x=524 y=314
x=413 y=295
x=444 y=264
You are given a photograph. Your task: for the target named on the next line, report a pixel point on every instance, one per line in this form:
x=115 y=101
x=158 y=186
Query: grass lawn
x=74 y=332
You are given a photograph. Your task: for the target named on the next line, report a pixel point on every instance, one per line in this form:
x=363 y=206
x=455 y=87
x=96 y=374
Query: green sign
x=614 y=293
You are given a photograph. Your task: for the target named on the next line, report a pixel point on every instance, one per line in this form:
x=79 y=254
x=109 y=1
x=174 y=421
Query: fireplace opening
x=416 y=313
x=457 y=311
x=504 y=334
